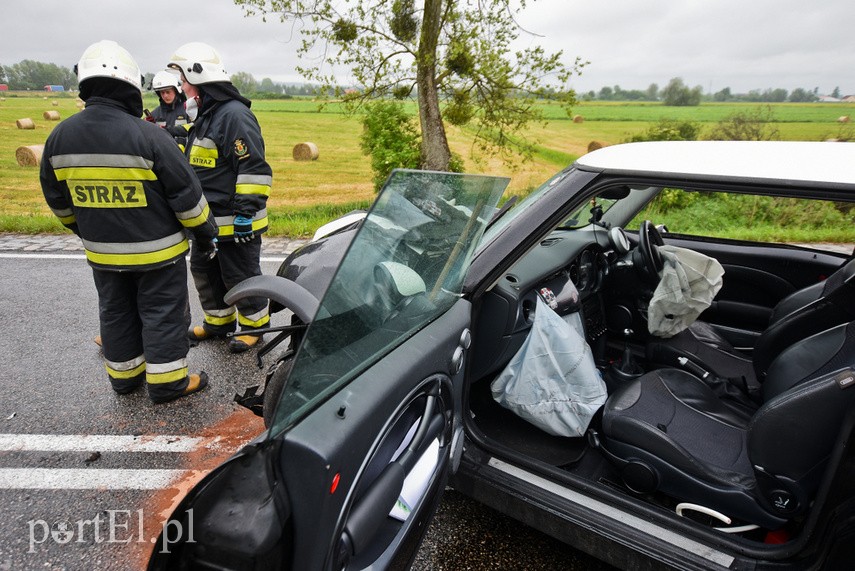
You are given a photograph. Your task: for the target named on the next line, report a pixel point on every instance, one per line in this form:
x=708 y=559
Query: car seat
x=799 y=315
x=668 y=431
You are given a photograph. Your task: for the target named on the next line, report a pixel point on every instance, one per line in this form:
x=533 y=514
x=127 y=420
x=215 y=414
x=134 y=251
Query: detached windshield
x=403 y=269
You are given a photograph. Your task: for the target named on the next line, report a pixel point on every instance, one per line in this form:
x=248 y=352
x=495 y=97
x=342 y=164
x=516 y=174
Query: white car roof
x=820 y=163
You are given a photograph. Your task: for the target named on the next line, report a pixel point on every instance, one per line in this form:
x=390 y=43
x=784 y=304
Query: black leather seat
x=668 y=431
x=799 y=315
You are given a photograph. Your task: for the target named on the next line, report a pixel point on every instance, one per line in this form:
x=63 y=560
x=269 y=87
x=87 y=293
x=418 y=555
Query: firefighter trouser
x=144 y=320
x=232 y=264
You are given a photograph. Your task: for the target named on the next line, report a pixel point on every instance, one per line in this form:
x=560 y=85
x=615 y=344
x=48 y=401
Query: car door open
x=361 y=442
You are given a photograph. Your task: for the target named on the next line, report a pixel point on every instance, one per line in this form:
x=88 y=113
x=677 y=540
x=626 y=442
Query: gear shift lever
x=628 y=366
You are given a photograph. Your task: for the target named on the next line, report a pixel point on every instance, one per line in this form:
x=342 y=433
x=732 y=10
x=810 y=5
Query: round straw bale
x=843 y=119
x=305 y=152
x=55 y=103
x=80 y=104
x=29 y=156
x=25 y=123
x=594 y=145
x=51 y=115
x=578 y=118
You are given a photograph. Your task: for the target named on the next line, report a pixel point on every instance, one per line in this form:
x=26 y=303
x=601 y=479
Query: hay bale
x=25 y=123
x=578 y=118
x=305 y=152
x=55 y=103
x=843 y=119
x=51 y=115
x=29 y=156
x=80 y=104
x=594 y=145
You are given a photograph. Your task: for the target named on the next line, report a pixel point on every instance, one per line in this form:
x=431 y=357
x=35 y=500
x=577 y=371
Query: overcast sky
x=741 y=44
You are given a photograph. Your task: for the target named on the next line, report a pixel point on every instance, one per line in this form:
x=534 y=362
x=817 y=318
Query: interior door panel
x=756 y=277
x=337 y=463
x=320 y=495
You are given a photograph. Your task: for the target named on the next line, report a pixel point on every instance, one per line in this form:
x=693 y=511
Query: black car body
x=424 y=304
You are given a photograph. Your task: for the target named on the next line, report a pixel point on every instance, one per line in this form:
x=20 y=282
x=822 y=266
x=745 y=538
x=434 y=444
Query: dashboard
x=567 y=270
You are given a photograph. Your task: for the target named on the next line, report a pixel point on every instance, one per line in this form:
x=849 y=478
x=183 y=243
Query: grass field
x=307 y=194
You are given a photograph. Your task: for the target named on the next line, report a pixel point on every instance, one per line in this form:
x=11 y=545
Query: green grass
x=755 y=218
x=305 y=195
x=704 y=113
x=302 y=222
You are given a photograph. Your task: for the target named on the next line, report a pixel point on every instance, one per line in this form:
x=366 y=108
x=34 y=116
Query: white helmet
x=108 y=59
x=200 y=63
x=165 y=80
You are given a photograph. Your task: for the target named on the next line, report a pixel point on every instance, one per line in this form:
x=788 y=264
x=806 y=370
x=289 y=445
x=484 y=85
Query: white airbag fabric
x=688 y=283
x=552 y=381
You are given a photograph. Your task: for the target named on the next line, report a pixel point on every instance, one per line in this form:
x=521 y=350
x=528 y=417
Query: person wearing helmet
x=170 y=112
x=123 y=186
x=226 y=150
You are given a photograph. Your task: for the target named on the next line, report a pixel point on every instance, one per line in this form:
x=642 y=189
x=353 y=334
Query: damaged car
x=651 y=396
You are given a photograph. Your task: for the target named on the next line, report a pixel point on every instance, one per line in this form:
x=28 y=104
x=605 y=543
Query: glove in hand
x=208 y=249
x=243 y=230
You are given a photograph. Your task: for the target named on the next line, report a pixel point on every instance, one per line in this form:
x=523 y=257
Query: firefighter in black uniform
x=226 y=149
x=123 y=186
x=170 y=113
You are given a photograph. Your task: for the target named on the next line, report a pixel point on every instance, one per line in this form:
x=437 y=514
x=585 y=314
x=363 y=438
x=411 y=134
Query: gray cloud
x=744 y=45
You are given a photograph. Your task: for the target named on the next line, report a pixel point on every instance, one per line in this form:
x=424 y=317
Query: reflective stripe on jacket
x=124 y=187
x=170 y=115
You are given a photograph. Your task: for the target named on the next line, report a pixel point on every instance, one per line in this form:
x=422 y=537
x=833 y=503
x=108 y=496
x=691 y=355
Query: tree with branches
x=456 y=58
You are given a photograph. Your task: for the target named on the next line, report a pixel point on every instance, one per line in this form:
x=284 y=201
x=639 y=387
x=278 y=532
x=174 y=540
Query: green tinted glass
x=404 y=268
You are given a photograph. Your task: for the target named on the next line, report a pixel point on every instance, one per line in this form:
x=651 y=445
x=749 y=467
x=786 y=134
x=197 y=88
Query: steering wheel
x=649 y=259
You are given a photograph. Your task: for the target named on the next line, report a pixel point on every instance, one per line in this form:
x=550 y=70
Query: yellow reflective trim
x=138 y=259
x=66 y=220
x=203 y=157
x=138 y=370
x=105 y=173
x=168 y=377
x=263 y=321
x=107 y=194
x=229 y=229
x=205 y=162
x=262 y=189
x=196 y=220
x=214 y=320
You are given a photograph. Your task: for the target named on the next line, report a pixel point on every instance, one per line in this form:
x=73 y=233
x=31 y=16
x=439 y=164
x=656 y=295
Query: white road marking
x=88 y=479
x=102 y=443
x=99 y=478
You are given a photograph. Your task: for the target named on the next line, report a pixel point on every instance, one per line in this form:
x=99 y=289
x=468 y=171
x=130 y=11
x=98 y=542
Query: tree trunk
x=435 y=154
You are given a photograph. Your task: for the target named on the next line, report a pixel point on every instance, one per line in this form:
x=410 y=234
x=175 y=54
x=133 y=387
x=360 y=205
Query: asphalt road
x=87 y=477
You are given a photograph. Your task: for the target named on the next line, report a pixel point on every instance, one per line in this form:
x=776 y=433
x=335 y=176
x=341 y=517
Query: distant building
x=849 y=99
x=827 y=99
x=54 y=88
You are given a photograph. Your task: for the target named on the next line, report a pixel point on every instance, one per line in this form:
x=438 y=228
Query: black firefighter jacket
x=226 y=150
x=124 y=187
x=170 y=115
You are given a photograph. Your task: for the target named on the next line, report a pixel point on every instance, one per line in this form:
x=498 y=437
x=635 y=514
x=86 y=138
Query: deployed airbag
x=552 y=381
x=688 y=283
